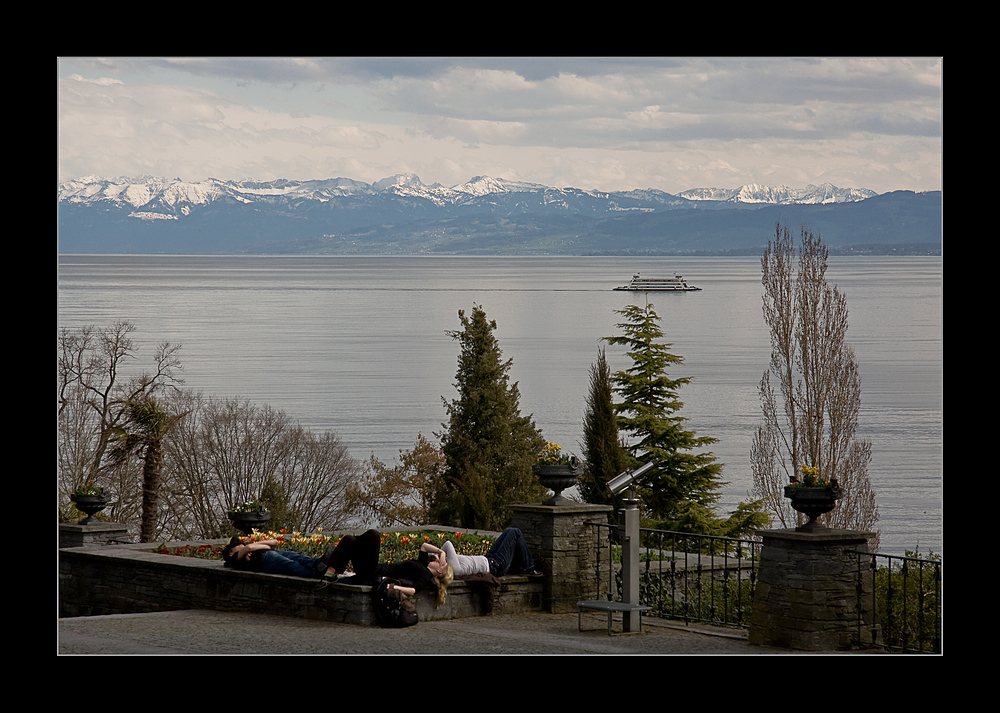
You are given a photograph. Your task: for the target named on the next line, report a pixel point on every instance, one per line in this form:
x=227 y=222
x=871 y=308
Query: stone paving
x=203 y=632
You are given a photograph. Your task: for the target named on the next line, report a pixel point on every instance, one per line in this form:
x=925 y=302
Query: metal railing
x=712 y=580
x=906 y=598
x=685 y=576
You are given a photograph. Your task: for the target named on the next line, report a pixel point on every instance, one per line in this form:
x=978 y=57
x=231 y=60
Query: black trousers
x=361 y=551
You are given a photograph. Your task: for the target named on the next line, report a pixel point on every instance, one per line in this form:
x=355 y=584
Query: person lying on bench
x=509 y=554
x=262 y=557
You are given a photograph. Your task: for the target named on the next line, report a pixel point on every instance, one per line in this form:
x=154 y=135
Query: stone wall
x=128 y=579
x=100 y=578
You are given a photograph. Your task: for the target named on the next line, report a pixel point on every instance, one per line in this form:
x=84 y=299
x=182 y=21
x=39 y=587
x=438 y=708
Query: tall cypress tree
x=604 y=456
x=488 y=446
x=681 y=492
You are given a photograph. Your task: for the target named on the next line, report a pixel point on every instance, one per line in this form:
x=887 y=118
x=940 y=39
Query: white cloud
x=669 y=124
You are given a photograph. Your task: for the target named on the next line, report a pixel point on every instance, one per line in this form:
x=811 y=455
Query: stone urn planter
x=89 y=504
x=247 y=522
x=558 y=477
x=813 y=501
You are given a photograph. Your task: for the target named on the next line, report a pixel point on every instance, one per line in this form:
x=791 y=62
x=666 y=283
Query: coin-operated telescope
x=629 y=531
x=627 y=479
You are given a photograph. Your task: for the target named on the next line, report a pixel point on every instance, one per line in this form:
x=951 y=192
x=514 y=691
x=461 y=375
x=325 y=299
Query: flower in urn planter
x=556 y=471
x=553 y=455
x=812 y=479
x=90 y=499
x=248 y=516
x=813 y=496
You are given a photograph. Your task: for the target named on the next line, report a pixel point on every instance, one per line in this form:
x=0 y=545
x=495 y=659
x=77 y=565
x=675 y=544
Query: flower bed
x=396 y=546
x=201 y=551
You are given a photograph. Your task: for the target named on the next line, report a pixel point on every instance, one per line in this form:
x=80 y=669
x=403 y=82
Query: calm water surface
x=359 y=345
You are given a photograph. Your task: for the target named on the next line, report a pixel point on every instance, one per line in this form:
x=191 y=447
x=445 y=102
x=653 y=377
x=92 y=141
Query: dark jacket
x=410 y=570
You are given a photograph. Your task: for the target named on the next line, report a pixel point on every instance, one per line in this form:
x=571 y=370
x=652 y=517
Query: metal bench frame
x=600 y=605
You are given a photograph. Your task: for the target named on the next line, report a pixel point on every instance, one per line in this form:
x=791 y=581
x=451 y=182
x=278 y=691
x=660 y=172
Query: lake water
x=358 y=345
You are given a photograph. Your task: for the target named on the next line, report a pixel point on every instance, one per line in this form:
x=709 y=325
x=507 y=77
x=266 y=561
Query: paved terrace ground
x=203 y=632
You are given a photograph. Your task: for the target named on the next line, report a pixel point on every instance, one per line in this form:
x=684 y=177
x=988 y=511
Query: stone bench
x=133 y=578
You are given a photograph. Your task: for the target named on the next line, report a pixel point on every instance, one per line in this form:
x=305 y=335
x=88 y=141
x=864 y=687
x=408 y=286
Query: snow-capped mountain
x=151 y=197
x=779 y=195
x=485 y=214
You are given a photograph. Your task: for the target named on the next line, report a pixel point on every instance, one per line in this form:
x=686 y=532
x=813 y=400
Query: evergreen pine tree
x=489 y=447
x=604 y=456
x=681 y=492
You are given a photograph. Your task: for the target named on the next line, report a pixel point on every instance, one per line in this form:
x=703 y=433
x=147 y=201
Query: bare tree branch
x=819 y=387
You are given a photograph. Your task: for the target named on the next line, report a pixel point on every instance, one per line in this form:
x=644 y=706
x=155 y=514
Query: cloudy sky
x=590 y=123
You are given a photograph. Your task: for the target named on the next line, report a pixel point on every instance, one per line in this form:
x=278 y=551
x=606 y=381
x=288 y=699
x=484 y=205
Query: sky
x=605 y=123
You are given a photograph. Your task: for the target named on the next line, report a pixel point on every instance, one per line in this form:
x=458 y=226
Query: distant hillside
x=401 y=215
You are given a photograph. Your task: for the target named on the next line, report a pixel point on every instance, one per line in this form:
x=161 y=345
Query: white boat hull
x=654 y=284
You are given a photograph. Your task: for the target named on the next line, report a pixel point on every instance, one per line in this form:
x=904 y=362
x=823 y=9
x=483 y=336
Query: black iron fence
x=906 y=598
x=684 y=576
x=710 y=579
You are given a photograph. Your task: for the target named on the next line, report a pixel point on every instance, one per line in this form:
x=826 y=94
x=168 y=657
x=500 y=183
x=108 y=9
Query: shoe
x=328 y=576
x=532 y=573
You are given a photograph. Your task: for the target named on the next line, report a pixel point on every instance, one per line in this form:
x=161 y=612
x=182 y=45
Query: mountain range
x=485 y=215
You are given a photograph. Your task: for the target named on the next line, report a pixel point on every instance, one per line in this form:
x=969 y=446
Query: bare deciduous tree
x=95 y=385
x=230 y=451
x=117 y=428
x=315 y=476
x=812 y=418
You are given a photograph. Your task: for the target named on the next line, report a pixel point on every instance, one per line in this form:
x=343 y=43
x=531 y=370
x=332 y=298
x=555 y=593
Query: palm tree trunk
x=152 y=467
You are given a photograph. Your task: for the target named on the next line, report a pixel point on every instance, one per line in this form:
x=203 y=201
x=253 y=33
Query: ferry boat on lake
x=658 y=284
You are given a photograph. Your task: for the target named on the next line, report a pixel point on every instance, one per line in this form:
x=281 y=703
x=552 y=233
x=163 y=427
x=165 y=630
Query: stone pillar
x=95 y=533
x=807 y=596
x=565 y=549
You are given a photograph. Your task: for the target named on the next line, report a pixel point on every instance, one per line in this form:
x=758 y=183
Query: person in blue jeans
x=509 y=554
x=262 y=557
